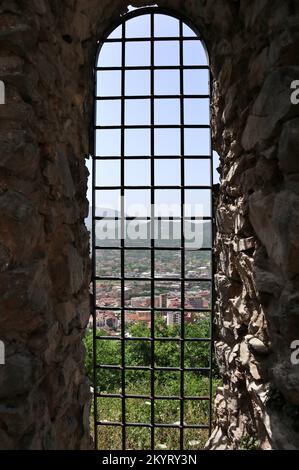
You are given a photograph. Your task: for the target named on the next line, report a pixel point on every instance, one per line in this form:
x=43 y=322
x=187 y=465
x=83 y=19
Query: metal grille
x=151 y=399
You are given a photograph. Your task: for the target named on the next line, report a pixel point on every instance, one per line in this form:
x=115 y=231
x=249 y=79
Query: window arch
x=152 y=236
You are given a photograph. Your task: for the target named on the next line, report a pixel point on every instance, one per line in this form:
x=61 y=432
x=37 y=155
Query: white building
x=173 y=318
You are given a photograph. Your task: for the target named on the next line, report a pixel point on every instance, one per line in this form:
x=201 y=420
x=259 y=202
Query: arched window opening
x=152 y=236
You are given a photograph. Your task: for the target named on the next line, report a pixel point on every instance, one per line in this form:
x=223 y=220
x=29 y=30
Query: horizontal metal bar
x=156 y=425
x=156 y=368
x=148 y=248
x=158 y=187
x=158 y=218
x=148 y=97
x=157 y=339
x=154 y=126
x=154 y=67
x=155 y=157
x=155 y=309
x=155 y=38
x=157 y=279
x=148 y=397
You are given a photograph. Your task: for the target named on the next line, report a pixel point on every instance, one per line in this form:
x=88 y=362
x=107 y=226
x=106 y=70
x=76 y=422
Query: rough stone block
x=272 y=106
x=288 y=151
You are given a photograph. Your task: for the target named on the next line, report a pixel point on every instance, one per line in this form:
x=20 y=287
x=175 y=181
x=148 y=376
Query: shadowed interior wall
x=47 y=51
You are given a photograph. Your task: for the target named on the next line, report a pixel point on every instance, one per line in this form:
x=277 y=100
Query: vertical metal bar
x=212 y=268
x=122 y=234
x=152 y=152
x=182 y=121
x=94 y=286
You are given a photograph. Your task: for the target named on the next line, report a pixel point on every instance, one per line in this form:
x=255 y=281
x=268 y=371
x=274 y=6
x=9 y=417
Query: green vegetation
x=249 y=443
x=167 y=354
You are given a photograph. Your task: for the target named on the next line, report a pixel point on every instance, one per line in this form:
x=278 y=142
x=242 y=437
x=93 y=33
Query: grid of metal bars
x=182 y=398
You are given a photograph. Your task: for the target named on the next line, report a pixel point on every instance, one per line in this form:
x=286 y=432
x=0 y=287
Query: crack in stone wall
x=47 y=51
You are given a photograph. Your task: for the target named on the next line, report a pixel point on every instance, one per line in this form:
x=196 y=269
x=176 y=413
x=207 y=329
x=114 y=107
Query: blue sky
x=167 y=112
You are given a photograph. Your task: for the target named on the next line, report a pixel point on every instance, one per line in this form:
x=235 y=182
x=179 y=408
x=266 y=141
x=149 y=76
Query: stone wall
x=255 y=132
x=44 y=246
x=47 y=50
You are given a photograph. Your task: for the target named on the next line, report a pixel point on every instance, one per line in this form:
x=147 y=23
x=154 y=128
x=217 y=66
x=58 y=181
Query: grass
x=166 y=383
x=166 y=412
